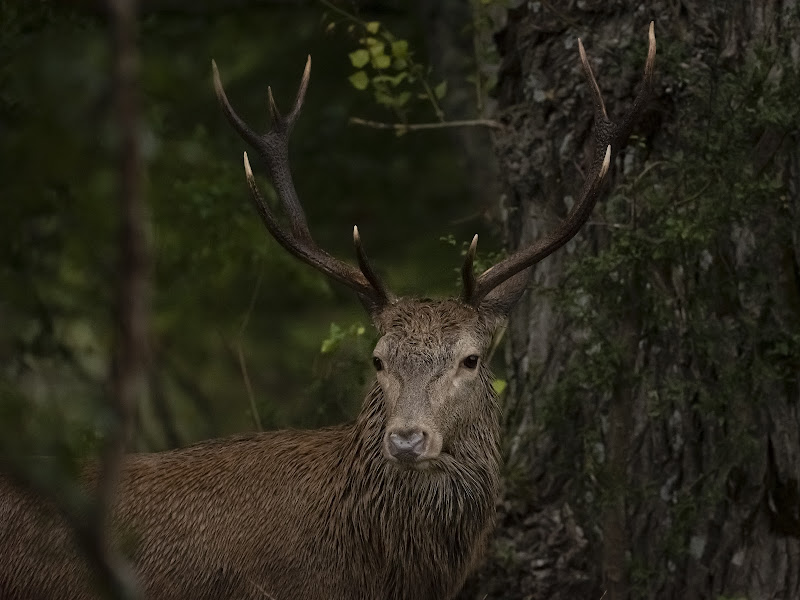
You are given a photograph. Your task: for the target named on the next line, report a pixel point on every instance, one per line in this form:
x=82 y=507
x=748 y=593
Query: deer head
x=429 y=360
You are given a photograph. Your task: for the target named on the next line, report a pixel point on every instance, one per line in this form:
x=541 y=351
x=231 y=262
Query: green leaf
x=359 y=80
x=376 y=49
x=499 y=386
x=335 y=335
x=402 y=98
x=359 y=58
x=440 y=90
x=400 y=49
x=393 y=80
x=373 y=27
x=382 y=62
x=384 y=99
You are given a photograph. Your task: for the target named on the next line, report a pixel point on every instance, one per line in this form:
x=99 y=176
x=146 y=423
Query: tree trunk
x=652 y=411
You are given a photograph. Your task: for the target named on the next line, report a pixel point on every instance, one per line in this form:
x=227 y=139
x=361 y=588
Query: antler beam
x=273 y=147
x=610 y=137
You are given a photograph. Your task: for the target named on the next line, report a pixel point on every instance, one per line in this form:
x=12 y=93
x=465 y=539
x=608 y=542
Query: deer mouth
x=419 y=463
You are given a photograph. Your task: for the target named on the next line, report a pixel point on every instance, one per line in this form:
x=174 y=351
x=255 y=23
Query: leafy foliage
x=386 y=66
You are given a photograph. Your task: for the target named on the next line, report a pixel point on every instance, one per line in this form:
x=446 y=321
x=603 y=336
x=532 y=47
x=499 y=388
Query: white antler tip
x=306 y=73
x=356 y=236
x=606 y=162
x=247 y=170
x=651 y=51
x=217 y=82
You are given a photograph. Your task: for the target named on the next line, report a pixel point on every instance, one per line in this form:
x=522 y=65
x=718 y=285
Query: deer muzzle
x=407 y=445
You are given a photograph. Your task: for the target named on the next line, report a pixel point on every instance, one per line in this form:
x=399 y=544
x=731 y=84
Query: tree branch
x=404 y=127
x=128 y=372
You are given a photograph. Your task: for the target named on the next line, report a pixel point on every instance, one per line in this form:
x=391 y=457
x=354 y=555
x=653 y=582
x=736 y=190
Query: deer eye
x=471 y=361
x=377 y=363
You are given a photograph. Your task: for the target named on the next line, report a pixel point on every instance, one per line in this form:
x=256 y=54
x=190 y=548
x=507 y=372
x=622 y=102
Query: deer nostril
x=407 y=444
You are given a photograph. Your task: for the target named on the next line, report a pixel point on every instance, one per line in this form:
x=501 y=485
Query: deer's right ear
x=502 y=299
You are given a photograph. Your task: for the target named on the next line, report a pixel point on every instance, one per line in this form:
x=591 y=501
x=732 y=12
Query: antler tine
x=250 y=136
x=289 y=121
x=607 y=135
x=366 y=267
x=624 y=130
x=273 y=147
x=274 y=113
x=597 y=96
x=301 y=93
x=468 y=270
x=265 y=211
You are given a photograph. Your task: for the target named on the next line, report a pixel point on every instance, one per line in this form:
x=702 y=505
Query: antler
x=273 y=147
x=608 y=136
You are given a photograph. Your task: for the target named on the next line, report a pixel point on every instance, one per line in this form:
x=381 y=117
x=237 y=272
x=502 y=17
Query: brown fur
x=297 y=514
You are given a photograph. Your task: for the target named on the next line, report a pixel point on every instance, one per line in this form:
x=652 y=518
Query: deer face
x=429 y=364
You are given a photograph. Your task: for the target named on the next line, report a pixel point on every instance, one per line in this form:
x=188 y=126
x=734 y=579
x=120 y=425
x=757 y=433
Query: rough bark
x=671 y=490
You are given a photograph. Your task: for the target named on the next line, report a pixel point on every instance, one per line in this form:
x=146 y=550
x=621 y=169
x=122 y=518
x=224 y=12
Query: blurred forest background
x=222 y=285
x=653 y=373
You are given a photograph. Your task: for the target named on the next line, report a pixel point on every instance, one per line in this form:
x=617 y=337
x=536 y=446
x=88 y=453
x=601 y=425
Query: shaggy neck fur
x=423 y=529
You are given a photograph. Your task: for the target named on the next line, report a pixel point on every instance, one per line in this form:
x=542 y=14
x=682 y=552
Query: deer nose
x=407 y=445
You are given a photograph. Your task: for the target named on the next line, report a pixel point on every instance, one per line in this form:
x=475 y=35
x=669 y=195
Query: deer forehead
x=431 y=327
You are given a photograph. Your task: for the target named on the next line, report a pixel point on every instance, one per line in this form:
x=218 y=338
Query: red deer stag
x=396 y=505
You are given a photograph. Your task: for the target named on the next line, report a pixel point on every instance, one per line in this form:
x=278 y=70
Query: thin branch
x=432 y=99
x=248 y=386
x=129 y=365
x=91 y=522
x=161 y=405
x=240 y=352
x=476 y=45
x=342 y=13
x=404 y=127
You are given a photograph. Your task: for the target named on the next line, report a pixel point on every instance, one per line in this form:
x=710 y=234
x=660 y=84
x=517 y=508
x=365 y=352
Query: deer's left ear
x=502 y=299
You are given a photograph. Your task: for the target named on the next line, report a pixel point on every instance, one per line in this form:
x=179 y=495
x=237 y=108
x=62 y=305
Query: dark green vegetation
x=222 y=287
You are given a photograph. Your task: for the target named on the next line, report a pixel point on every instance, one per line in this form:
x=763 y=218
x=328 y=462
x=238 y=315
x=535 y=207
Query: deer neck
x=454 y=491
x=423 y=527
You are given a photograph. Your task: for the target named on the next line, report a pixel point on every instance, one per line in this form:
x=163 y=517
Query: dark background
x=215 y=266
x=651 y=421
